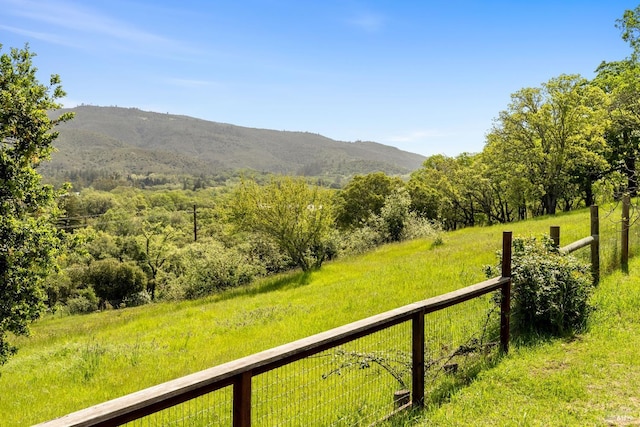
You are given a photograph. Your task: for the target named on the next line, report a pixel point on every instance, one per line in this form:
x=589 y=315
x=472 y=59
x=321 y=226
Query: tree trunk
x=522 y=212
x=588 y=194
x=632 y=178
x=549 y=202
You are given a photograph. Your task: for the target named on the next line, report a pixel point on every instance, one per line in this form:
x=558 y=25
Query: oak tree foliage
x=28 y=238
x=296 y=216
x=554 y=136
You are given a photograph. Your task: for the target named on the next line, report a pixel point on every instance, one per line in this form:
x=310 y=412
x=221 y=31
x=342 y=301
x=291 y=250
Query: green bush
x=261 y=250
x=394 y=216
x=420 y=228
x=59 y=287
x=210 y=267
x=550 y=292
x=359 y=240
x=114 y=281
x=84 y=301
x=395 y=223
x=134 y=300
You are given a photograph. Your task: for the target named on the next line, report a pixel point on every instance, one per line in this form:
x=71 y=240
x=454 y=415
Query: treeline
x=107 y=180
x=130 y=246
x=569 y=143
x=558 y=146
x=331 y=172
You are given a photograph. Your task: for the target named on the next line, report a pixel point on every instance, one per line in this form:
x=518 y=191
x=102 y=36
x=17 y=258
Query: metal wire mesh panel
x=459 y=341
x=212 y=409
x=352 y=384
x=361 y=382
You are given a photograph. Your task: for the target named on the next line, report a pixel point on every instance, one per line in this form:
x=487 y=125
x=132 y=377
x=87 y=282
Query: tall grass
x=72 y=362
x=592 y=379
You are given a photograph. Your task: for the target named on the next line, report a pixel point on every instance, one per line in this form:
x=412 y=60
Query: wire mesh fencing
x=359 y=383
x=460 y=341
x=352 y=384
x=211 y=409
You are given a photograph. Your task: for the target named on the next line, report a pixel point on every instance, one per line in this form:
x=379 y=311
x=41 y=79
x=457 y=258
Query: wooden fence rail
x=593 y=241
x=239 y=373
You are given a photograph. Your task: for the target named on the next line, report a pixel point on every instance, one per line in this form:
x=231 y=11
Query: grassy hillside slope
x=73 y=362
x=593 y=380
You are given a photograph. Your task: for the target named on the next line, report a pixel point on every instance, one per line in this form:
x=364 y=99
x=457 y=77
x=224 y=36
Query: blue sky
x=425 y=76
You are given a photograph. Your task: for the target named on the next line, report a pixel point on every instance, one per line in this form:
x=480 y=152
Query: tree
x=442 y=190
x=629 y=24
x=510 y=187
x=28 y=238
x=621 y=80
x=552 y=135
x=157 y=241
x=113 y=281
x=363 y=197
x=296 y=216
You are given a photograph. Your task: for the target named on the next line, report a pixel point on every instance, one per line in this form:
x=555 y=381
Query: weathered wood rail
x=593 y=241
x=239 y=373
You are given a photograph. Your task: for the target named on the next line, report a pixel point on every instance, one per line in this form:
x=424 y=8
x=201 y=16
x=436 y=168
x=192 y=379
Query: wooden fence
x=593 y=241
x=239 y=373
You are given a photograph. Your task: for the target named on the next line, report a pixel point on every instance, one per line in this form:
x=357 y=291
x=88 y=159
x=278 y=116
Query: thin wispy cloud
x=38 y=35
x=368 y=21
x=83 y=24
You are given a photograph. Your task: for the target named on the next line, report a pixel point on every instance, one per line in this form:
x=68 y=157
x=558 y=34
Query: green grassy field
x=591 y=380
x=72 y=362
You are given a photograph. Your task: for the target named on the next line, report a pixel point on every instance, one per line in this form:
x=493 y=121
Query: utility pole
x=195 y=224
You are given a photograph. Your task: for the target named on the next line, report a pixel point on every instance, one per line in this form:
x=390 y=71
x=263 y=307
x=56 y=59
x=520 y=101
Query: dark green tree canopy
x=28 y=238
x=363 y=197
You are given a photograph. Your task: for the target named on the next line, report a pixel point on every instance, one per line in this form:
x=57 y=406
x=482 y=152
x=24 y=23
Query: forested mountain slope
x=128 y=140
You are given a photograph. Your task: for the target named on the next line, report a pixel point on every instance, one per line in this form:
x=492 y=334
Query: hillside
x=128 y=140
x=87 y=359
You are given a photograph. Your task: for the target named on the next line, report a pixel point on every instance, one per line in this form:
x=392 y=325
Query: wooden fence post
x=505 y=302
x=624 y=253
x=242 y=400
x=417 y=367
x=595 y=245
x=554 y=233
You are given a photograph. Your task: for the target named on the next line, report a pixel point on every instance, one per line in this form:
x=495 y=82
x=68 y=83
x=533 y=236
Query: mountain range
x=131 y=141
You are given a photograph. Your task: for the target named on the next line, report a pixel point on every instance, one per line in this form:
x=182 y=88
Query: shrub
x=419 y=228
x=261 y=250
x=85 y=301
x=359 y=240
x=211 y=267
x=550 y=292
x=394 y=216
x=114 y=281
x=134 y=300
